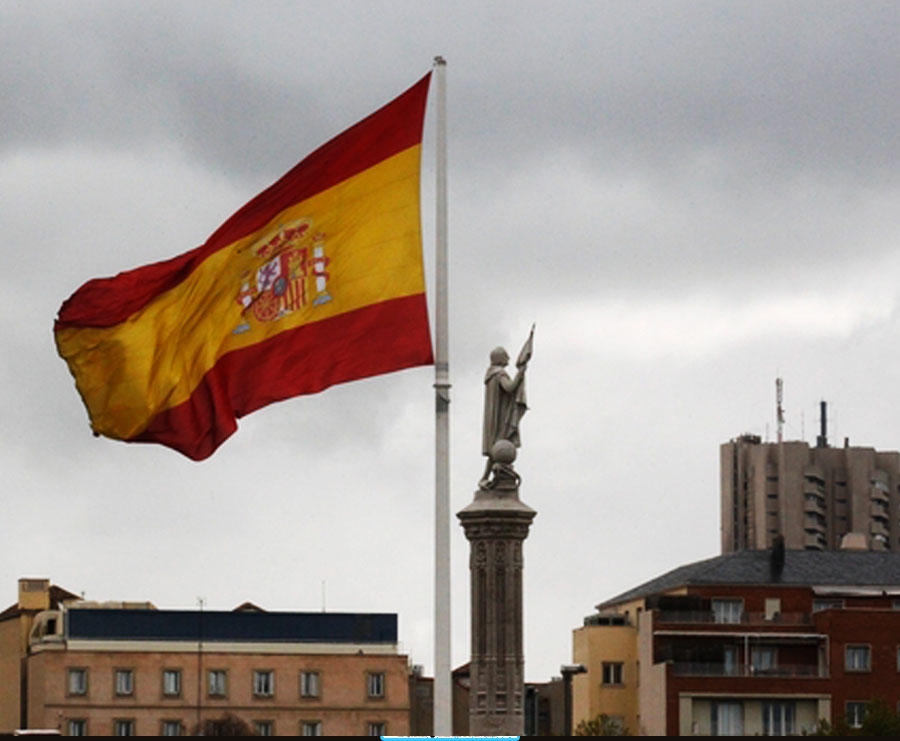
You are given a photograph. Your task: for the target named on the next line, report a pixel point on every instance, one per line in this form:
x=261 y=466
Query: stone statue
x=504 y=403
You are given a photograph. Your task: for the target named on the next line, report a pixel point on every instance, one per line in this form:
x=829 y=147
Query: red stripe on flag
x=376 y=339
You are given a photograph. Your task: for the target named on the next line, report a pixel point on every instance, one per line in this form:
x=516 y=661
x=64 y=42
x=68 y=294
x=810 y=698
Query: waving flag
x=316 y=281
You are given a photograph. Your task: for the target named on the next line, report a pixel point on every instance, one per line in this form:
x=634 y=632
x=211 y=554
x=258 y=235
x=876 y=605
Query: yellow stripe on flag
x=370 y=231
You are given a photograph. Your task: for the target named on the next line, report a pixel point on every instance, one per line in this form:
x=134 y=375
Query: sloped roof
x=801 y=568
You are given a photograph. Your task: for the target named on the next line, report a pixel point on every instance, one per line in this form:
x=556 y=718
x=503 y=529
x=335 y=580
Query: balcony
x=700 y=669
x=746 y=618
x=814 y=505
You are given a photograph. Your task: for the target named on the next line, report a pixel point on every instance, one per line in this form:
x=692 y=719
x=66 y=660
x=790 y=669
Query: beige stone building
x=813 y=496
x=130 y=669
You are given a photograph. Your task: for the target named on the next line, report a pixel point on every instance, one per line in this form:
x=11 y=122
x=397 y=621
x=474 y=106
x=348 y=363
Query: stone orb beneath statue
x=503 y=451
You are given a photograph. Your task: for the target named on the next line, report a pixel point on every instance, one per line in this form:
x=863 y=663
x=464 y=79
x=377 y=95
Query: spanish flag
x=318 y=280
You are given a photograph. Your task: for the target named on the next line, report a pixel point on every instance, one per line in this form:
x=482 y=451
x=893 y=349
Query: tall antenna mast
x=779 y=409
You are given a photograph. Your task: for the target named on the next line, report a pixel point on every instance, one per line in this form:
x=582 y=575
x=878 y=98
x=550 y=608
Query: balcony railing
x=700 y=669
x=747 y=618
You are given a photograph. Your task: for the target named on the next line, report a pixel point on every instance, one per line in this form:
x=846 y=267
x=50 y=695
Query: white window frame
x=779 y=718
x=855 y=713
x=309 y=684
x=612 y=673
x=726 y=718
x=217 y=683
x=77 y=727
x=858 y=657
x=311 y=728
x=377 y=728
x=168 y=726
x=264 y=727
x=763 y=659
x=727 y=610
x=171 y=682
x=77 y=681
x=731 y=661
x=123 y=724
x=263 y=683
x=124 y=682
x=375 y=685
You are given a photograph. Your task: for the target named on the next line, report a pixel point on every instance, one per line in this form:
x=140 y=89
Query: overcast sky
x=689 y=199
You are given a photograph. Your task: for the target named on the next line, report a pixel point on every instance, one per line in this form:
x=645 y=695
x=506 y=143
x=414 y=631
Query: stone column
x=496 y=523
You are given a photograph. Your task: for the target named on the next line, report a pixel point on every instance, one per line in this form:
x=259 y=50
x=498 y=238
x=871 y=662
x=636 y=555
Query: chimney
x=822 y=439
x=776 y=560
x=34 y=594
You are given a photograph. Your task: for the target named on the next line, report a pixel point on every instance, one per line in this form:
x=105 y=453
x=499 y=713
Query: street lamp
x=568 y=671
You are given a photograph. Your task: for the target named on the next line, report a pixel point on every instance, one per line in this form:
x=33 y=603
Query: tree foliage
x=227 y=725
x=879 y=720
x=602 y=725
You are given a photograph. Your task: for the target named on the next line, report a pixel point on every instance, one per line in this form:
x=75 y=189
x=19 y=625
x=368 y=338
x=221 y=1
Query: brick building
x=130 y=669
x=754 y=642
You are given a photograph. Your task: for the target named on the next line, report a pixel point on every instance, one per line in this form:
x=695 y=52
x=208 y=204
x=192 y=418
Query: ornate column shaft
x=496 y=523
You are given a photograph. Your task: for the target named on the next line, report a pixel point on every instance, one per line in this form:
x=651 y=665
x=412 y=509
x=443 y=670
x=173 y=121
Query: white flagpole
x=443 y=722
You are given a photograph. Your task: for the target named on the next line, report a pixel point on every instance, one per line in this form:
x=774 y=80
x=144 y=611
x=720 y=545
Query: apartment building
x=130 y=669
x=753 y=642
x=813 y=496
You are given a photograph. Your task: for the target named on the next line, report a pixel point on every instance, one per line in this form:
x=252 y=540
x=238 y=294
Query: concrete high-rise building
x=817 y=497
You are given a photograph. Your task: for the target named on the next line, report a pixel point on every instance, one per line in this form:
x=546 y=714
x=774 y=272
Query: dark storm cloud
x=810 y=86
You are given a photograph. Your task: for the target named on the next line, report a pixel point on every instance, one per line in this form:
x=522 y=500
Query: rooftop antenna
x=779 y=409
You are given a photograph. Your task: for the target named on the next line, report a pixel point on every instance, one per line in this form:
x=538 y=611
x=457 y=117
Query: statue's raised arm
x=504 y=402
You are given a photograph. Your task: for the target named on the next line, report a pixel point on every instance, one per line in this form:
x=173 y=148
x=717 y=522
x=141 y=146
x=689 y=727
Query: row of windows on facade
x=731 y=610
x=217 y=683
x=779 y=718
x=857 y=658
x=128 y=727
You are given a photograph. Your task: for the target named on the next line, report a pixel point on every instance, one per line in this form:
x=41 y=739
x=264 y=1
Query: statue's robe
x=504 y=405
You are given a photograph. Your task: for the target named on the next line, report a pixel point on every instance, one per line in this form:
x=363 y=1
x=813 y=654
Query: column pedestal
x=496 y=523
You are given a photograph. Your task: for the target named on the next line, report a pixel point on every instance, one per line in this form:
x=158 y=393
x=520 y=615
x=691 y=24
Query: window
x=377 y=729
x=263 y=682
x=77 y=727
x=171 y=682
x=727 y=610
x=375 y=684
x=264 y=727
x=730 y=661
x=172 y=728
x=309 y=684
x=217 y=683
x=122 y=727
x=827 y=604
x=779 y=718
x=612 y=672
x=124 y=682
x=855 y=714
x=857 y=658
x=727 y=719
x=311 y=728
x=78 y=681
x=763 y=659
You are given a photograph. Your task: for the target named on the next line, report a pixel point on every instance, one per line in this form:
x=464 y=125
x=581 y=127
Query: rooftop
x=875 y=569
x=212 y=626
